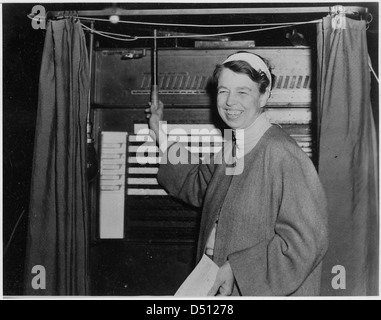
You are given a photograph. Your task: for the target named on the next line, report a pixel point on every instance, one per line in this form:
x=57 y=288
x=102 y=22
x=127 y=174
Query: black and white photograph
x=190 y=150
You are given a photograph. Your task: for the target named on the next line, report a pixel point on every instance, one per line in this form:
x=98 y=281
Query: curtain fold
x=348 y=158
x=58 y=214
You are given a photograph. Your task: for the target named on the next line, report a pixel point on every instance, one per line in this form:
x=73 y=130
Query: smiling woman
x=244 y=86
x=264 y=222
x=239 y=101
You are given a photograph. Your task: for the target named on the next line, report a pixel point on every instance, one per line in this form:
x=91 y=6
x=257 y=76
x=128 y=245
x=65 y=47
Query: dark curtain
x=58 y=226
x=348 y=159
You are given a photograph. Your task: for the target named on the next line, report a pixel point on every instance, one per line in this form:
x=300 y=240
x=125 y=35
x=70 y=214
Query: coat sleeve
x=280 y=265
x=183 y=176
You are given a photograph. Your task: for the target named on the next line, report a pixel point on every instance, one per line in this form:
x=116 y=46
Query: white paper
x=112 y=185
x=200 y=281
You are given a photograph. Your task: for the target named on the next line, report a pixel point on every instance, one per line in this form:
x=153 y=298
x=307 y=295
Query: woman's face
x=239 y=101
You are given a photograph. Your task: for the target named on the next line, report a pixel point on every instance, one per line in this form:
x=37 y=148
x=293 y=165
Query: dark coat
x=272 y=218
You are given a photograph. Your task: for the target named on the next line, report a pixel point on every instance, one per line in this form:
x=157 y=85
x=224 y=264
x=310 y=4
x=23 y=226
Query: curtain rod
x=214 y=11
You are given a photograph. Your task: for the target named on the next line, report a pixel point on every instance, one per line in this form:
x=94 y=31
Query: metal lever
x=154 y=88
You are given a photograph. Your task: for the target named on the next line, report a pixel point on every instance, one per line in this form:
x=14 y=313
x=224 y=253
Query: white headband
x=254 y=61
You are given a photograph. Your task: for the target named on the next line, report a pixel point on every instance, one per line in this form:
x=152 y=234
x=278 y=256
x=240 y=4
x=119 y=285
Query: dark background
x=22 y=52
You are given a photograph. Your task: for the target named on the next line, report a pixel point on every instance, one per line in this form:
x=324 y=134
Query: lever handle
x=155 y=89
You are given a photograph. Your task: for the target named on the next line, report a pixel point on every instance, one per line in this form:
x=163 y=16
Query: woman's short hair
x=244 y=67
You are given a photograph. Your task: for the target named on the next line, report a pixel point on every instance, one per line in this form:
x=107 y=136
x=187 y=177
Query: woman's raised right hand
x=155 y=114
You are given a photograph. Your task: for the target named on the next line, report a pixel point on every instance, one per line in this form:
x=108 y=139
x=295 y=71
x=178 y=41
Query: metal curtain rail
x=211 y=11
